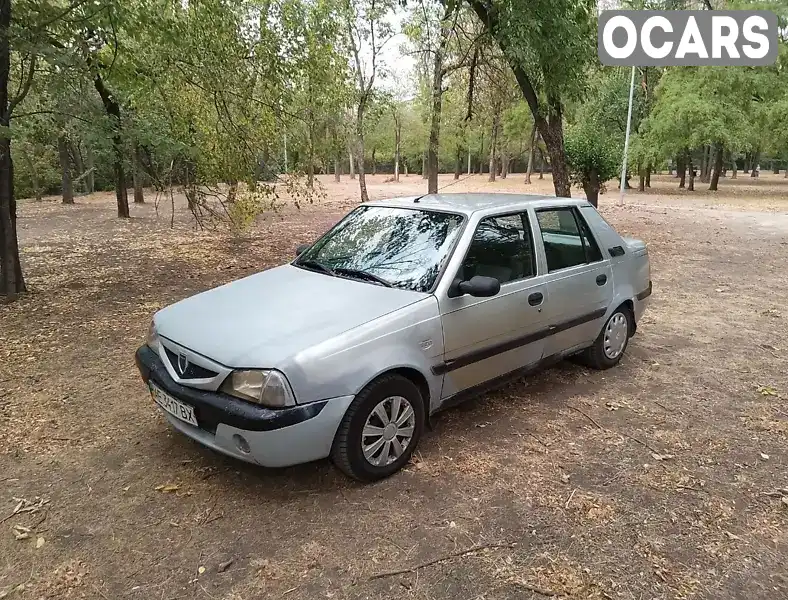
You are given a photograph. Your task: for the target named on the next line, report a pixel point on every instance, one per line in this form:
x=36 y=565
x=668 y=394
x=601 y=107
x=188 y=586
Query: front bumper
x=273 y=437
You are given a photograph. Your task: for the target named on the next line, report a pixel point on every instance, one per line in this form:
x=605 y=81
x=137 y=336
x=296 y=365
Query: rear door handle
x=601 y=279
x=535 y=299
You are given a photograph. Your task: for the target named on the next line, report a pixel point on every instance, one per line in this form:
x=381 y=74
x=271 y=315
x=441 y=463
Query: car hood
x=261 y=320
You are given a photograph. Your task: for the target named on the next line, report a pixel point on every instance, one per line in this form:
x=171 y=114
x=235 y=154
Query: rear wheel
x=612 y=341
x=380 y=429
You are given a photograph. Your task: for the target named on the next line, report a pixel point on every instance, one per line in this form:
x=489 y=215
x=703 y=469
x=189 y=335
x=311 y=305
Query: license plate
x=175 y=407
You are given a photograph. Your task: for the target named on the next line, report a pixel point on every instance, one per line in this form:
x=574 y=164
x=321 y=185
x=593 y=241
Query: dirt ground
x=664 y=478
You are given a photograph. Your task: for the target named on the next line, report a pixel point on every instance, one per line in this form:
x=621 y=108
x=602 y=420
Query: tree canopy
x=234 y=101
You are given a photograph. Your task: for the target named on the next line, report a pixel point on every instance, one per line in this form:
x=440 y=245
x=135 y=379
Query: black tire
x=595 y=356
x=347 y=453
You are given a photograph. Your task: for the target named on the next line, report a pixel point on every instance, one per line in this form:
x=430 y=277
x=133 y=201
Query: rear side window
x=501 y=248
x=567 y=238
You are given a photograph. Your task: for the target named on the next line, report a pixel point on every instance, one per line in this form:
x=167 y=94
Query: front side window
x=501 y=248
x=400 y=247
x=567 y=239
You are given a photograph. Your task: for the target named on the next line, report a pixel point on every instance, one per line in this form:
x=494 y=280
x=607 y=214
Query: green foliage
x=698 y=106
x=553 y=40
x=592 y=158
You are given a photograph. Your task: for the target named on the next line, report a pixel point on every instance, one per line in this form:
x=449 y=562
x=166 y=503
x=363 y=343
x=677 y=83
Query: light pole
x=626 y=138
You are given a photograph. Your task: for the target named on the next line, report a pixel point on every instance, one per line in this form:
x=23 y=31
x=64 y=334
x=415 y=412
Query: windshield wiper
x=360 y=274
x=313 y=265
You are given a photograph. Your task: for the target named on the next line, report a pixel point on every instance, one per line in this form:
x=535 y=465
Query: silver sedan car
x=403 y=308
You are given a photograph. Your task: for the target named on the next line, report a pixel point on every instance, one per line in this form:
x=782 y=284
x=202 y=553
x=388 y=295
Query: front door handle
x=601 y=279
x=535 y=299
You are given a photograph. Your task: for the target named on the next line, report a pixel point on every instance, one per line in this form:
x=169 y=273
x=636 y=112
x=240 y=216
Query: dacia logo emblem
x=183 y=364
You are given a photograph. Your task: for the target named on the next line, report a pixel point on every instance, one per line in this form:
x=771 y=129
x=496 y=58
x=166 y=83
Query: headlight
x=269 y=388
x=153 y=337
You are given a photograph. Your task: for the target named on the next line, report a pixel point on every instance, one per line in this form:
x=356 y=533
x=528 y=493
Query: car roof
x=469 y=204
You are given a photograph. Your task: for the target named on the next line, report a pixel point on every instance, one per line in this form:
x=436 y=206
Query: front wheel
x=380 y=429
x=612 y=341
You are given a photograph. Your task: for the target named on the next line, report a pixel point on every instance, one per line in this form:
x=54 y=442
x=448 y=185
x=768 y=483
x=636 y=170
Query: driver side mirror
x=301 y=249
x=477 y=286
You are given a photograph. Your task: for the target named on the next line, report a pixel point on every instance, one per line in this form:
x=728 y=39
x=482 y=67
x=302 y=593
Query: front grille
x=192 y=371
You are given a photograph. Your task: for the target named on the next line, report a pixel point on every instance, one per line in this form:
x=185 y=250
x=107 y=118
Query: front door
x=485 y=338
x=579 y=281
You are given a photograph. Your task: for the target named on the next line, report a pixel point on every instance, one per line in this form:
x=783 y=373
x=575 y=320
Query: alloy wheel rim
x=388 y=431
x=616 y=334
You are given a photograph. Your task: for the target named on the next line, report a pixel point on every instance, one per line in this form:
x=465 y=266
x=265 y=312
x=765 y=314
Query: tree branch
x=25 y=88
x=438 y=559
x=60 y=15
x=489 y=18
x=51 y=112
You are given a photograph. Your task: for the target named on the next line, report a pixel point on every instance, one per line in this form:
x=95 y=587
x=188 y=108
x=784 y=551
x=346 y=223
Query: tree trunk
x=715 y=178
x=550 y=125
x=776 y=167
x=424 y=165
x=397 y=138
x=310 y=165
x=232 y=191
x=113 y=112
x=534 y=140
x=437 y=95
x=541 y=163
x=704 y=162
x=681 y=167
x=65 y=171
x=362 y=180
x=352 y=162
x=504 y=164
x=734 y=168
x=405 y=167
x=136 y=176
x=458 y=164
x=90 y=174
x=691 y=186
x=11 y=280
x=481 y=153
x=31 y=166
x=648 y=175
x=591 y=188
x=374 y=165
x=493 y=144
x=469 y=160
x=80 y=168
x=711 y=160
x=641 y=178
x=337 y=169
x=756 y=156
x=553 y=136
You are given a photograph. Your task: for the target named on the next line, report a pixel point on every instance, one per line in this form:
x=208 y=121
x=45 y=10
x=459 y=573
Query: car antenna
x=416 y=200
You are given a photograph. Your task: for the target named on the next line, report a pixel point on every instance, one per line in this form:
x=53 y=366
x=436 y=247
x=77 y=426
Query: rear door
x=579 y=279
x=485 y=338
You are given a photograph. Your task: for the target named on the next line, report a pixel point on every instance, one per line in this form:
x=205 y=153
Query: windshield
x=402 y=247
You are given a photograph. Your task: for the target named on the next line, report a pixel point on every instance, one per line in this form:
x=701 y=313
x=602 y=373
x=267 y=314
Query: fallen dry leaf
x=656 y=456
x=766 y=390
x=168 y=488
